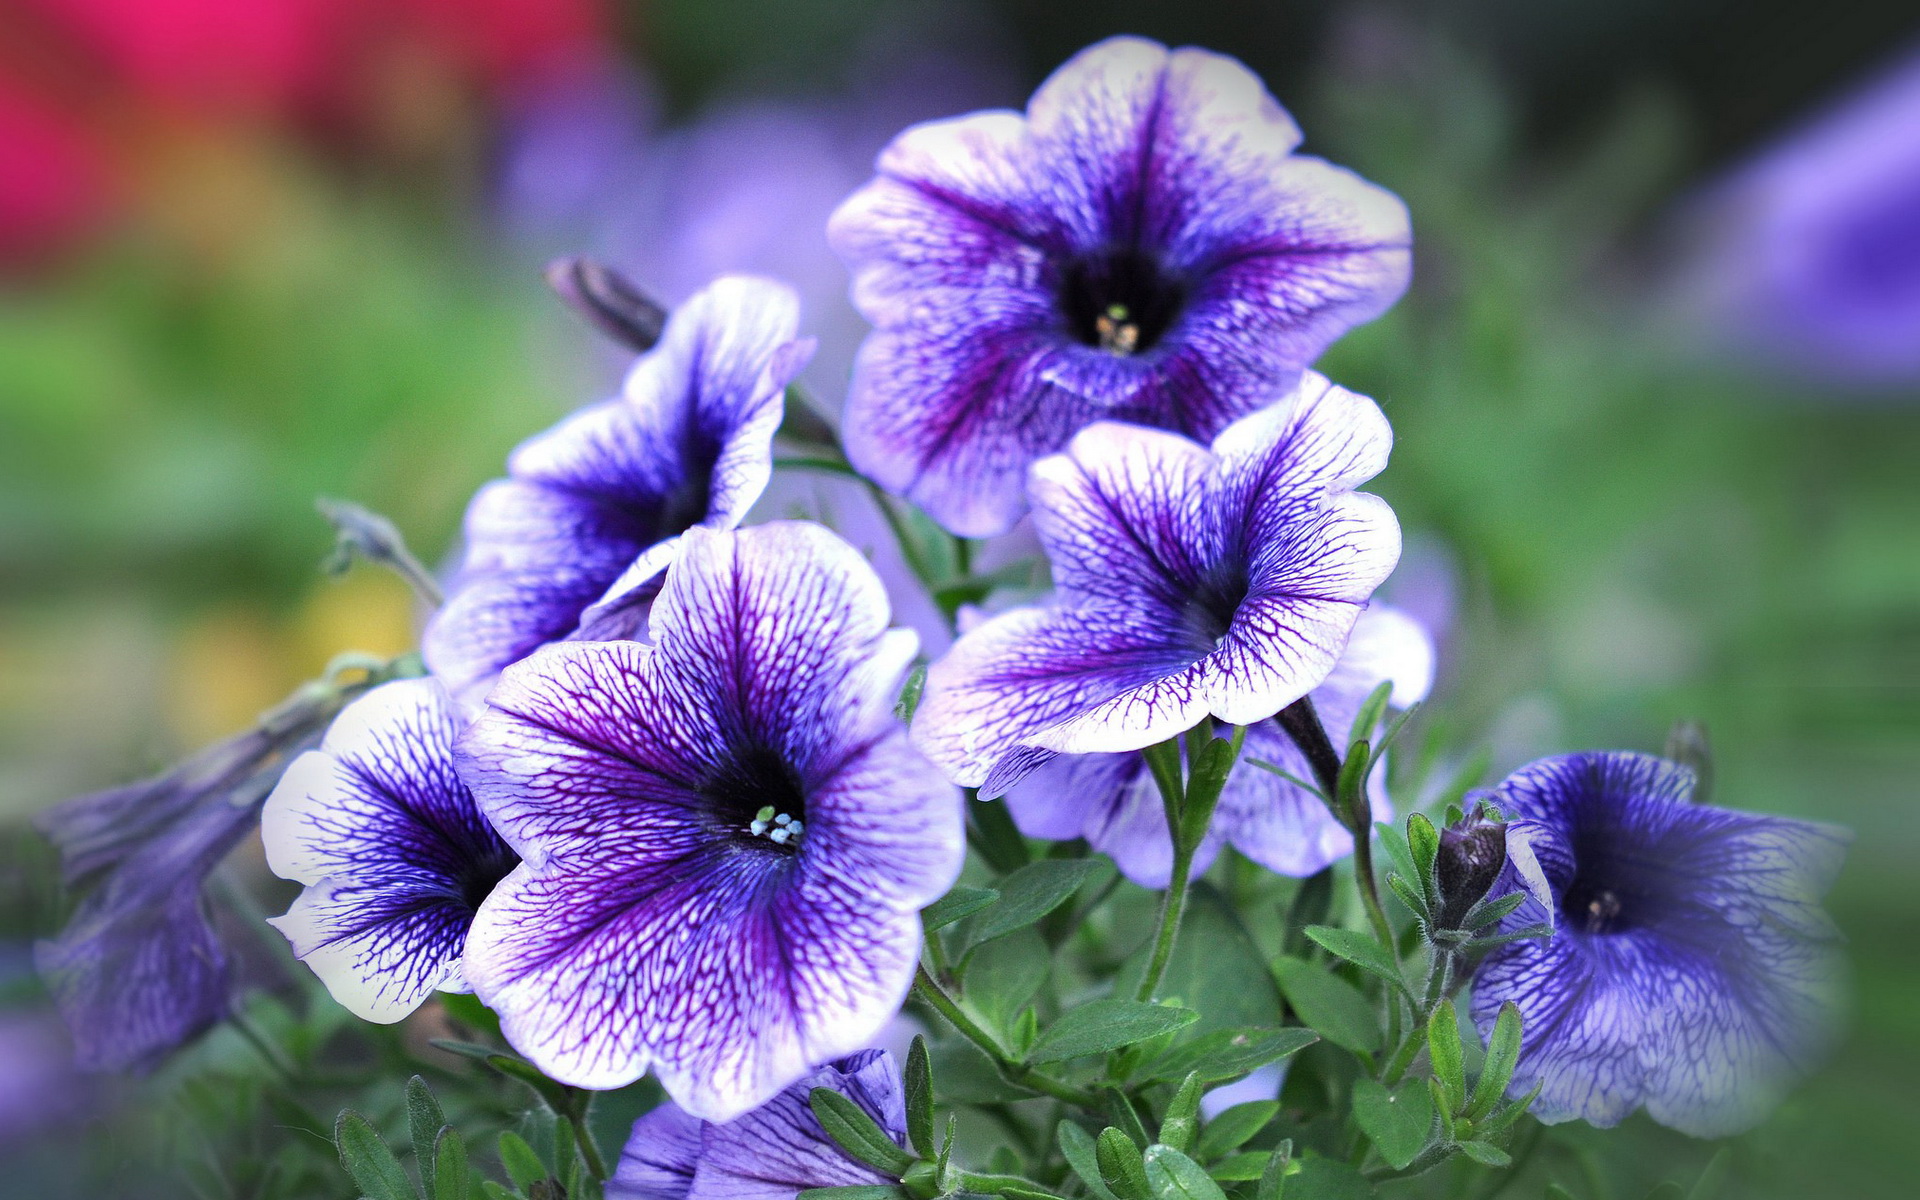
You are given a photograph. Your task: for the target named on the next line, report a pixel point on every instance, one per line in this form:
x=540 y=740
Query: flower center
x=1210 y=608
x=1119 y=300
x=1595 y=909
x=758 y=801
x=778 y=828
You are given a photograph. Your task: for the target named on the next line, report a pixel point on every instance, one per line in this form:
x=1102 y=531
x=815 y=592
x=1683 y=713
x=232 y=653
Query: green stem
x=1302 y=725
x=583 y=1135
x=928 y=988
x=1173 y=906
x=1370 y=887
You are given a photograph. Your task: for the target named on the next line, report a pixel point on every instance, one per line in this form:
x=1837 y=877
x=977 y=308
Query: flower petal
x=660 y=1157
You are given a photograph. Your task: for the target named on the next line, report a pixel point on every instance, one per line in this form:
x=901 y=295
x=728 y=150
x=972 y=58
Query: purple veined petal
x=1319 y=439
x=780 y=1149
x=623 y=611
x=660 y=1157
x=393 y=852
x=1386 y=644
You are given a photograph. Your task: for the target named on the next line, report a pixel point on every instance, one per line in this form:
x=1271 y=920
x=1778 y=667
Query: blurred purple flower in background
x=1809 y=256
x=727 y=836
x=1691 y=968
x=770 y=1153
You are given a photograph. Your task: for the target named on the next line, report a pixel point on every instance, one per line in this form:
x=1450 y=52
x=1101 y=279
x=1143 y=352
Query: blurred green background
x=229 y=289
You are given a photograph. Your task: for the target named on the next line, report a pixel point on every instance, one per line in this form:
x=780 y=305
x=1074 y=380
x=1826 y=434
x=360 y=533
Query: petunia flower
x=1142 y=245
x=1112 y=801
x=394 y=854
x=727 y=835
x=1691 y=969
x=770 y=1153
x=687 y=443
x=1190 y=582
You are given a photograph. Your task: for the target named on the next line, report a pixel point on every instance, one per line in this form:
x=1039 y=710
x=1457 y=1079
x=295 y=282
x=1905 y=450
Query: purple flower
x=1190 y=582
x=1691 y=969
x=138 y=970
x=688 y=443
x=770 y=1153
x=727 y=836
x=394 y=854
x=1111 y=799
x=1143 y=245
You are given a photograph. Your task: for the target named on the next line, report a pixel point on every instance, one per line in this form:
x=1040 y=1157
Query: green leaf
x=1487 y=912
x=1104 y=1025
x=450 y=1172
x=858 y=1191
x=1182 y=1117
x=1396 y=1121
x=1392 y=734
x=554 y=1093
x=1394 y=843
x=1120 y=1166
x=993 y=835
x=1353 y=784
x=1171 y=1175
x=1714 y=1175
x=1273 y=1179
x=1423 y=840
x=1367 y=719
x=1666 y=1190
x=493 y=1191
x=1412 y=897
x=1556 y=1192
x=465 y=1007
x=368 y=1160
x=1449 y=1058
x=1331 y=1006
x=1489 y=1155
x=1076 y=1146
x=519 y=1161
x=1325 y=1179
x=1121 y=1112
x=1002 y=976
x=956 y=905
x=857 y=1133
x=1503 y=1051
x=1229 y=1053
x=909 y=701
x=1234 y=1127
x=1503 y=1120
x=1240 y=1168
x=918 y=1079
x=1030 y=893
x=1360 y=949
x=424 y=1123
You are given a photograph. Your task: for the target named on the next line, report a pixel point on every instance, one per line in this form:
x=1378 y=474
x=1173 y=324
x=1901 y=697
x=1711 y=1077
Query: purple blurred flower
x=1112 y=801
x=770 y=1153
x=1191 y=582
x=1691 y=969
x=1143 y=245
x=727 y=836
x=688 y=443
x=394 y=854
x=1811 y=255
x=138 y=970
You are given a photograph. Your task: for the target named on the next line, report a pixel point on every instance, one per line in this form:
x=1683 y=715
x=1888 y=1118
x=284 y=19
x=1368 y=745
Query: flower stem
x=1302 y=724
x=928 y=988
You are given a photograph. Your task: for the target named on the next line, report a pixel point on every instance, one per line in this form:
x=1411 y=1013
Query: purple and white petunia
x=727 y=835
x=770 y=1153
x=1691 y=969
x=1112 y=801
x=1190 y=582
x=1142 y=245
x=687 y=443
x=394 y=854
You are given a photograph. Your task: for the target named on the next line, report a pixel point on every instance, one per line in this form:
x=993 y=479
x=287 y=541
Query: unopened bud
x=1472 y=854
x=609 y=301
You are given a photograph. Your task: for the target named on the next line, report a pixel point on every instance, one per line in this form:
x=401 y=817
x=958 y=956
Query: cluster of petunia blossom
x=655 y=804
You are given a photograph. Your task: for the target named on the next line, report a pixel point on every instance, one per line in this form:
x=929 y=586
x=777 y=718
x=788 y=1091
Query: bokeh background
x=1656 y=391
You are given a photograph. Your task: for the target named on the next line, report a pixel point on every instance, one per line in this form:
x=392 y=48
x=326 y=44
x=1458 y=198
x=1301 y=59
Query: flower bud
x=1472 y=854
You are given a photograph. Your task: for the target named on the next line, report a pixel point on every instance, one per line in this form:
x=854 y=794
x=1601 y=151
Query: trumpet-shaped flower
x=394 y=854
x=770 y=1153
x=1190 y=582
x=687 y=443
x=727 y=836
x=1142 y=245
x=1112 y=801
x=1691 y=969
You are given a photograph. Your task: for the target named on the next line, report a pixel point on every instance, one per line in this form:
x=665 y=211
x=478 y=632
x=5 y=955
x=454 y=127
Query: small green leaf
x=1394 y=843
x=1714 y=1175
x=1556 y=1192
x=1171 y=1175
x=1487 y=912
x=424 y=1123
x=1503 y=1052
x=909 y=701
x=960 y=903
x=554 y=1093
x=1120 y=1166
x=1396 y=1121
x=1178 y=1125
x=1239 y=1168
x=1076 y=1145
x=918 y=1079
x=1360 y=949
x=1368 y=718
x=1334 y=1008
x=858 y=1191
x=1353 y=784
x=450 y=1172
x=1030 y=893
x=1273 y=1180
x=1234 y=1127
x=1325 y=1179
x=1121 y=1112
x=1423 y=840
x=522 y=1165
x=493 y=1191
x=1503 y=1120
x=857 y=1133
x=1104 y=1025
x=1412 y=897
x=1489 y=1155
x=465 y=1007
x=368 y=1160
x=1003 y=975
x=1449 y=1058
x=1229 y=1053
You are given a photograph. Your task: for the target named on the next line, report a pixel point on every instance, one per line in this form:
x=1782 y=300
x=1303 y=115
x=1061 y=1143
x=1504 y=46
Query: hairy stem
x=1302 y=724
x=928 y=988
